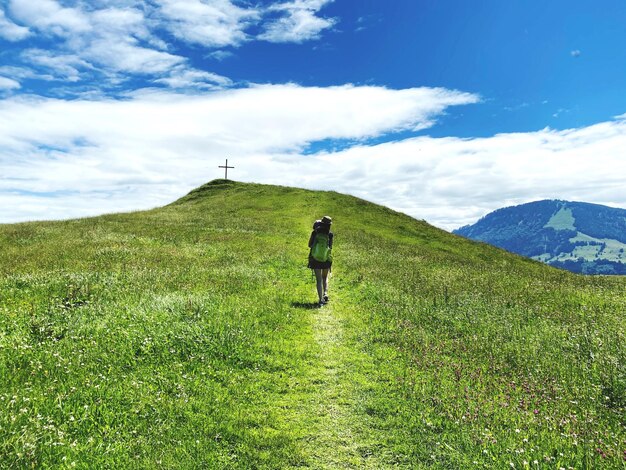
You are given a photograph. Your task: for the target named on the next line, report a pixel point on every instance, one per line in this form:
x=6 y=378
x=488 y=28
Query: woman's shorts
x=314 y=264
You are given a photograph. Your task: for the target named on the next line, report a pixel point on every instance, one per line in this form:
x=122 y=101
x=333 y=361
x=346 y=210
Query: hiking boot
x=325 y=298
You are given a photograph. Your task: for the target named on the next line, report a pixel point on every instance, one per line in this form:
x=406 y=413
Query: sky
x=445 y=110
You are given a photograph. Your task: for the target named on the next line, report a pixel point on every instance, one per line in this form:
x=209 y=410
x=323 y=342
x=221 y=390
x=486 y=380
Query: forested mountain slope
x=580 y=237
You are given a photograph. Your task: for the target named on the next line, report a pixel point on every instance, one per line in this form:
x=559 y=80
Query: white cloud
x=219 y=55
x=116 y=40
x=216 y=24
x=8 y=84
x=298 y=22
x=120 y=20
x=183 y=77
x=109 y=150
x=108 y=41
x=50 y=17
x=66 y=67
x=153 y=147
x=10 y=30
x=122 y=54
x=451 y=182
x=22 y=73
x=123 y=42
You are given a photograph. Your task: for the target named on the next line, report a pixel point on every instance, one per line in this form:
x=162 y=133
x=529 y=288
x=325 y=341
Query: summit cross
x=226 y=167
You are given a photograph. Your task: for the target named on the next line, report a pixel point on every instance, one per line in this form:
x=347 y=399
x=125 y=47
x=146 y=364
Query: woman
x=320 y=255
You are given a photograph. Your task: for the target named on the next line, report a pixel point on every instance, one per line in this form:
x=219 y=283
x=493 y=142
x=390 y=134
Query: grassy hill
x=185 y=337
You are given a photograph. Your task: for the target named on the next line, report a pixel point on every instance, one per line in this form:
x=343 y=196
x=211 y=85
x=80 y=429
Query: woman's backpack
x=320 y=251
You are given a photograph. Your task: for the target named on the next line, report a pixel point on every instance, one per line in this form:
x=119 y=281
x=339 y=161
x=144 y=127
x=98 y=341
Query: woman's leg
x=320 y=282
x=325 y=281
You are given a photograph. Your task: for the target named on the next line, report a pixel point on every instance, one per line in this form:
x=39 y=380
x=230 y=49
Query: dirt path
x=339 y=440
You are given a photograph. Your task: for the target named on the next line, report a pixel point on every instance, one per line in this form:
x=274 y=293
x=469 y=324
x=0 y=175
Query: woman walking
x=320 y=255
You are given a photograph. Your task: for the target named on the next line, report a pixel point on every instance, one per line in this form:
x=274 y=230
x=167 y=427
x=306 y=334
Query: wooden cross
x=226 y=167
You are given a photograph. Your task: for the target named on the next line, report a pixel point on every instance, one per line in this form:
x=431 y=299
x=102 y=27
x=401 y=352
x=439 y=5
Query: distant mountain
x=577 y=236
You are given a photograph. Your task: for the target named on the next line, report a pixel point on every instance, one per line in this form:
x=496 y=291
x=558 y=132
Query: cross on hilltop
x=226 y=167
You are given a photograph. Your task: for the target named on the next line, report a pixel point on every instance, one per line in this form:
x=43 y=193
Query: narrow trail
x=341 y=438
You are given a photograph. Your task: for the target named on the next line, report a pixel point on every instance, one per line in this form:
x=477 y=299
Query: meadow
x=187 y=337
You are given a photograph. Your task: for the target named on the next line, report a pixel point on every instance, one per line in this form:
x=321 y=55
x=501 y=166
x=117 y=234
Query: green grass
x=184 y=337
x=562 y=220
x=613 y=250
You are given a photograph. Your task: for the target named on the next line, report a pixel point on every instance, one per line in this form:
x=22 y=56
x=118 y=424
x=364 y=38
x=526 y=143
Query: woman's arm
x=311 y=238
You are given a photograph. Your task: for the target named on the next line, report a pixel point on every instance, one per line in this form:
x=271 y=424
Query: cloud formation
x=149 y=149
x=66 y=67
x=108 y=42
x=451 y=181
x=74 y=158
x=155 y=125
x=50 y=17
x=216 y=24
x=11 y=31
x=8 y=84
x=298 y=22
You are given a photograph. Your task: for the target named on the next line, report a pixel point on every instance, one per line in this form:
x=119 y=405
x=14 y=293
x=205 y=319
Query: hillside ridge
x=189 y=336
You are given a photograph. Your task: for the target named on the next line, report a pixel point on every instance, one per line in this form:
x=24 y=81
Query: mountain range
x=577 y=236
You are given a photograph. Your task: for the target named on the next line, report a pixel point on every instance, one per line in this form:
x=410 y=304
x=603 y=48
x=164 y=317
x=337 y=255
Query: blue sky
x=529 y=60
x=444 y=110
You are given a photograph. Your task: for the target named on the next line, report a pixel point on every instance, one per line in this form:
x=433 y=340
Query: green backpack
x=320 y=250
